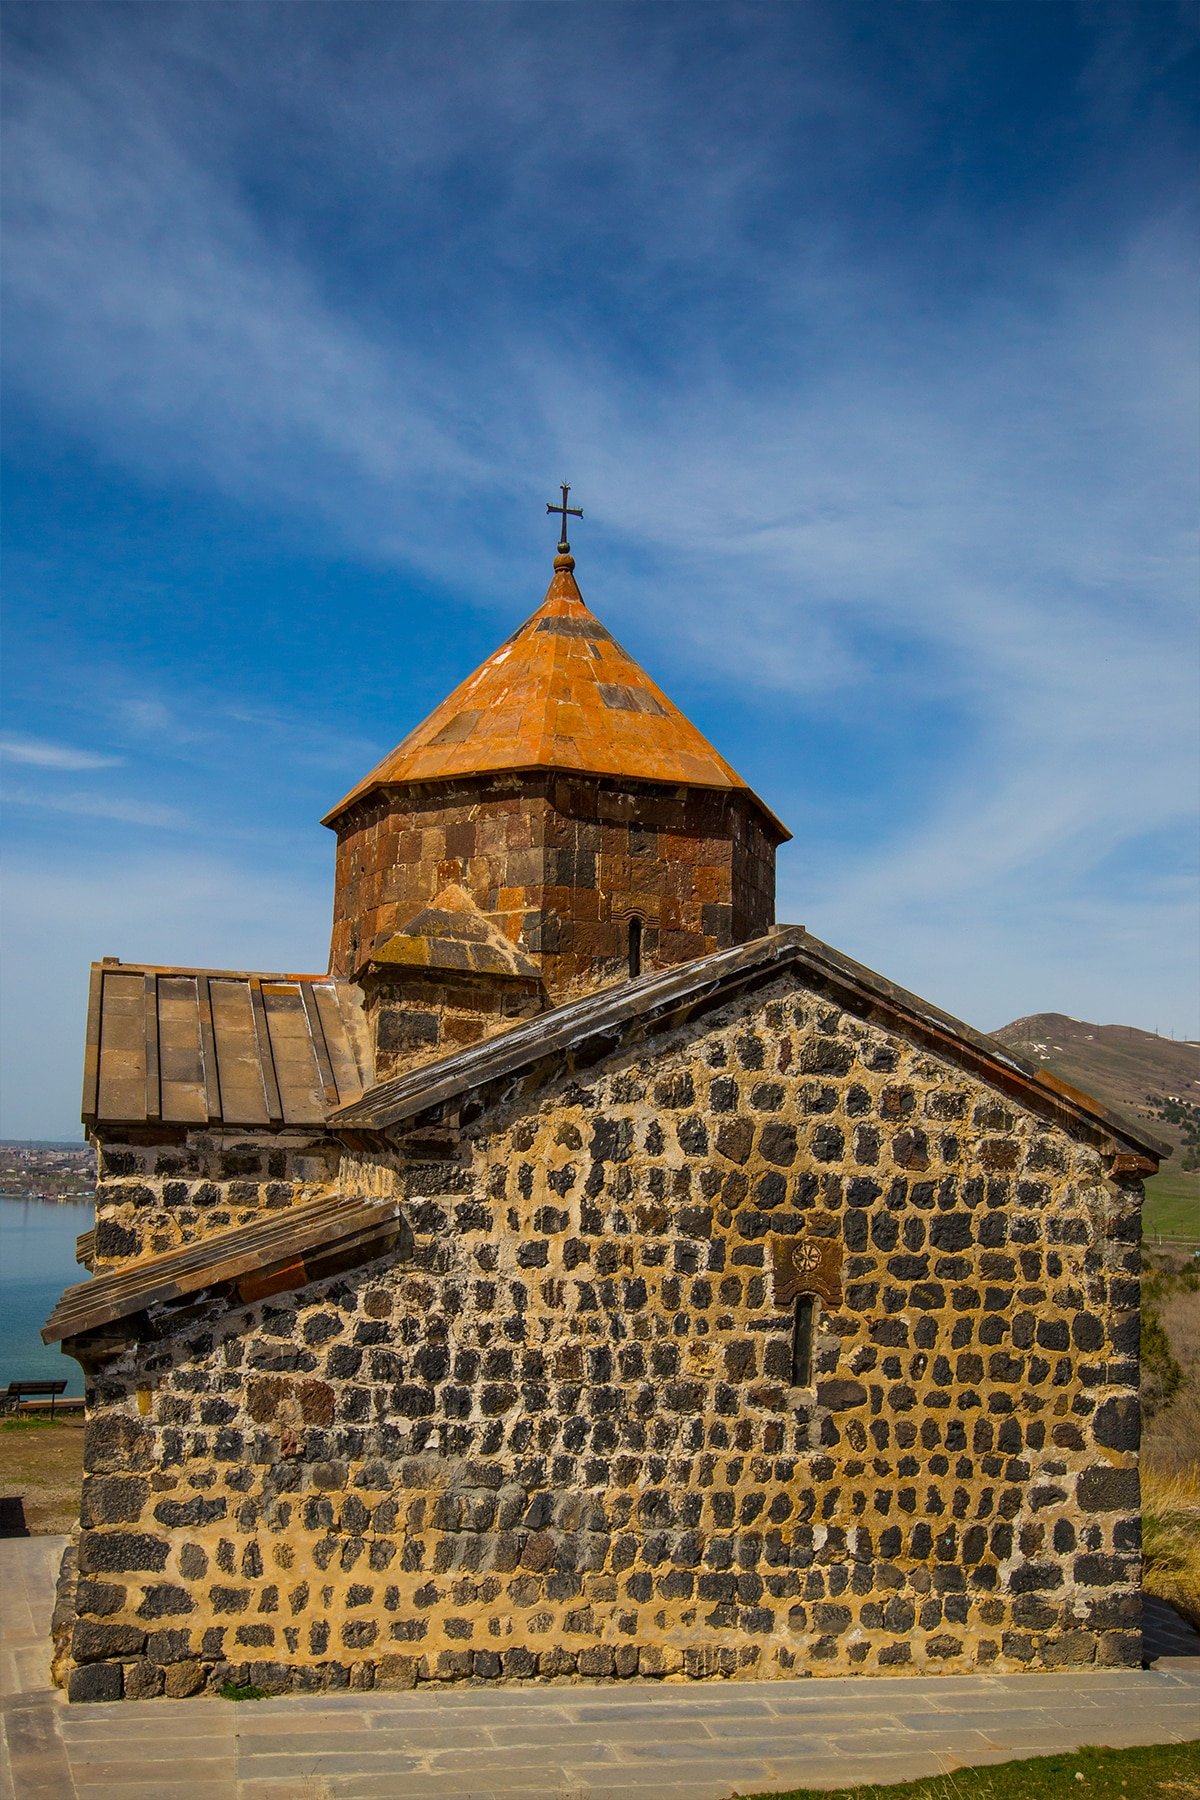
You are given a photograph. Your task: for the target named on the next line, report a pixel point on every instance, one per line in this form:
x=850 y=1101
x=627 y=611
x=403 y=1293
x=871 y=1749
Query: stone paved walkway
x=601 y=1742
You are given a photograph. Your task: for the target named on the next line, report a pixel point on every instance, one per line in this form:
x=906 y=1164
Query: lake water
x=37 y=1261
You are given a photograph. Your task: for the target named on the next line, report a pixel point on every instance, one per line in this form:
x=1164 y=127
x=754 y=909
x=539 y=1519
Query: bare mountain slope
x=1151 y=1079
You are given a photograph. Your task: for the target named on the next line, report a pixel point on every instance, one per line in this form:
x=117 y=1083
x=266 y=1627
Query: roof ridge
x=117 y=966
x=576 y=1022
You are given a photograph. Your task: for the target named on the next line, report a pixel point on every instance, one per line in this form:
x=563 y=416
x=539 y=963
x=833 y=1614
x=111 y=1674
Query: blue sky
x=865 y=332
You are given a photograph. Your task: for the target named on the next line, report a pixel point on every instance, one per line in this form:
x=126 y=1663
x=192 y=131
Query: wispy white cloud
x=151 y=718
x=1058 y=949
x=812 y=476
x=41 y=754
x=313 y=743
x=213 y=727
x=221 y=358
x=100 y=806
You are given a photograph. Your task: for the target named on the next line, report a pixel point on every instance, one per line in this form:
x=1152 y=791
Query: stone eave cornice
x=402 y=792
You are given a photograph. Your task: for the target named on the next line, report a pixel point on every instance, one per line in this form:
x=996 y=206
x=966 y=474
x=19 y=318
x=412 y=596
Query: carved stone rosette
x=807 y=1266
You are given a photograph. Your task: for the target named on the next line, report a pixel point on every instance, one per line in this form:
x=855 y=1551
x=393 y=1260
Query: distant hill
x=1152 y=1080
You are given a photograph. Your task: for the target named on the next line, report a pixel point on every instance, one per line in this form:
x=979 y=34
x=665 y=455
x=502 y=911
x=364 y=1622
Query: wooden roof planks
x=576 y=1034
x=220 y=1047
x=296 y=1241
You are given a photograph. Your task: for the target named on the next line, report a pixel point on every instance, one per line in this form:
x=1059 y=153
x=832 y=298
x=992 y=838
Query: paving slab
x=650 y=1714
x=600 y=1741
x=150 y=1788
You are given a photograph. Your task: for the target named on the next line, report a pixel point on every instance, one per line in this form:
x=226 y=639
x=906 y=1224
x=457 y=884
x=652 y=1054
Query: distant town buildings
x=51 y=1172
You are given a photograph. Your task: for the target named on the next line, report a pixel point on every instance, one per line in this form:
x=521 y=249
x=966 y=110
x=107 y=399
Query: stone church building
x=587 y=1276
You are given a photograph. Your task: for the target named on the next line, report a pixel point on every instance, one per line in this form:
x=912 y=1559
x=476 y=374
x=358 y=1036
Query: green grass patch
x=27 y=1424
x=1173 y=1205
x=1160 y=1772
x=230 y=1690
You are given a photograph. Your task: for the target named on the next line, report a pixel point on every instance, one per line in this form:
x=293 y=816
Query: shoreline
x=88 y=1199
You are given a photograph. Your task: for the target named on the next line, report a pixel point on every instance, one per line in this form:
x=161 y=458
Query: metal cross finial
x=574 y=512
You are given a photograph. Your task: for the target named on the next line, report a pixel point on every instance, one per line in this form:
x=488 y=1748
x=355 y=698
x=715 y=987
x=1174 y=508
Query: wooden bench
x=17 y=1391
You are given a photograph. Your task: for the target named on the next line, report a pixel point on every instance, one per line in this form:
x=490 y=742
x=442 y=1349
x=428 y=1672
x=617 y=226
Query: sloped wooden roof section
x=287 y=1249
x=561 y=693
x=275 y=1254
x=220 y=1047
x=578 y=1034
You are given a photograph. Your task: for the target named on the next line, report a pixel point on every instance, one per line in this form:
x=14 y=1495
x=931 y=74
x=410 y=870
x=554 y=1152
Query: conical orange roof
x=559 y=694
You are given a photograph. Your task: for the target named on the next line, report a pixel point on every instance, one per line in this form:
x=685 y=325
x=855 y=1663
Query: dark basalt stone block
x=168 y=1646
x=401 y=1031
x=1108 y=1490
x=116 y=1550
x=94 y=1641
x=116 y=1443
x=839 y=1394
x=826 y=1056
x=229 y=1599
x=197 y=1511
x=777 y=1144
x=612 y=1140
x=1118 y=1424
x=1035 y=1578
x=164 y=1599
x=951 y=1231
x=675 y=1090
x=828 y=1143
x=735 y=1139
x=1101 y=1571
x=113 y=1499
x=96 y=1681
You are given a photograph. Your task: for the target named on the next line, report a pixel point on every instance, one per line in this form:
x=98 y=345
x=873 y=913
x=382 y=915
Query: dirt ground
x=43 y=1465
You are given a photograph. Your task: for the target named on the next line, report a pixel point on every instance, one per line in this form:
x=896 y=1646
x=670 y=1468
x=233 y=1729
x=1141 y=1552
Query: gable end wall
x=560 y=1440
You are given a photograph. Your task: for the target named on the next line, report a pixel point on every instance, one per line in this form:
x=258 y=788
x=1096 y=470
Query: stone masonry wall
x=414 y=1017
x=561 y=1441
x=159 y=1196
x=561 y=863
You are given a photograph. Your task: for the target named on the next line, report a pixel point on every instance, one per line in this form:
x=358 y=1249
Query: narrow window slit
x=804 y=1324
x=635 y=948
